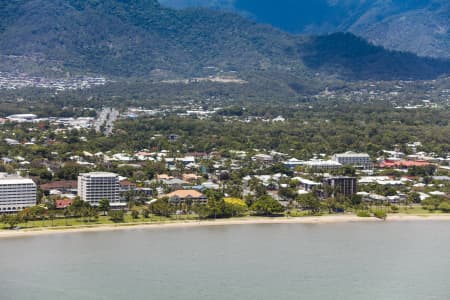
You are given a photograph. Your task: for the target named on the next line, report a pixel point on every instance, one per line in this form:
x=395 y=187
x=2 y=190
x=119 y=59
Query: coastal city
x=37 y=183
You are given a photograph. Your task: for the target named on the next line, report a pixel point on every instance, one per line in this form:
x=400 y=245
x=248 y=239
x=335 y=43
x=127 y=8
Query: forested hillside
x=139 y=38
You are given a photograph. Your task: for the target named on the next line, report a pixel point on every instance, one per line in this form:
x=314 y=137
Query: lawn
x=102 y=220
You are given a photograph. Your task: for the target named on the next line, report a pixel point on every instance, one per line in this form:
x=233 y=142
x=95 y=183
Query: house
x=190 y=177
x=65 y=186
x=175 y=183
x=126 y=185
x=293 y=163
x=182 y=196
x=307 y=184
x=63 y=203
x=264 y=158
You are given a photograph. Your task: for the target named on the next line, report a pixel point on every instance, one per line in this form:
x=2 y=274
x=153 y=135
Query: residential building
x=187 y=195
x=340 y=185
x=16 y=193
x=63 y=203
x=308 y=185
x=322 y=165
x=95 y=186
x=359 y=160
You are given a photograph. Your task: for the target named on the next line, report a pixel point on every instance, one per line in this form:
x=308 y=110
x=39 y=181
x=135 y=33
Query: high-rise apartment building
x=16 y=193
x=95 y=186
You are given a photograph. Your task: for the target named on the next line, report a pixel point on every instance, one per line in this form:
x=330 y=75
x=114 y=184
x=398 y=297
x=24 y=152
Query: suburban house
x=181 y=196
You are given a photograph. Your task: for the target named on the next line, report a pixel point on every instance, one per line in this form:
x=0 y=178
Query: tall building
x=360 y=160
x=340 y=185
x=95 y=186
x=16 y=193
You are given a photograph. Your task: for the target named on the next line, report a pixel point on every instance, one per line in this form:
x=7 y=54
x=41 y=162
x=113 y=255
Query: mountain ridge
x=418 y=26
x=140 y=38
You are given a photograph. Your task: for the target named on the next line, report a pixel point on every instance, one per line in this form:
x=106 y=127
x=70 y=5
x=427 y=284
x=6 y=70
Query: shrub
x=363 y=214
x=380 y=214
x=395 y=208
x=445 y=206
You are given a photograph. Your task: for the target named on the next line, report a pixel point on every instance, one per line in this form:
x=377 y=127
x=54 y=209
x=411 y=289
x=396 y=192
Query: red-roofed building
x=126 y=185
x=403 y=164
x=63 y=185
x=63 y=203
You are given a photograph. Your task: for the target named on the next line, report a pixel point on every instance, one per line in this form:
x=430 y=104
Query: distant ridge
x=140 y=38
x=418 y=26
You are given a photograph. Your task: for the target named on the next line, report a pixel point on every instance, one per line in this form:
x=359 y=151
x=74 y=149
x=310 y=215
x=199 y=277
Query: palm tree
x=66 y=214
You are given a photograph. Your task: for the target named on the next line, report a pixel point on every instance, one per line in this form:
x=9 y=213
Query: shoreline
x=220 y=222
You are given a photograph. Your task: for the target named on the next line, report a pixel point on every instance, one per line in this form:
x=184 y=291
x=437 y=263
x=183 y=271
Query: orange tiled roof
x=185 y=194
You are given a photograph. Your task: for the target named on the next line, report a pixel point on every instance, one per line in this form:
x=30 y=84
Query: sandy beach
x=221 y=222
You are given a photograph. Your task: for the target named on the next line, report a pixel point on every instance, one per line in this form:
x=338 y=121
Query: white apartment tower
x=16 y=193
x=360 y=160
x=95 y=186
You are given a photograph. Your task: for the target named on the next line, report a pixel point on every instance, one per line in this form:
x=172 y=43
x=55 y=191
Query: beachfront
x=219 y=222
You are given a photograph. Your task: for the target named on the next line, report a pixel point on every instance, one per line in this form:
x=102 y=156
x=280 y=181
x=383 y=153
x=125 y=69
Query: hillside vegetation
x=139 y=38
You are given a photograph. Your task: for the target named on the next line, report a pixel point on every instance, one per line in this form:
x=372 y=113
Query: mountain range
x=141 y=38
x=418 y=26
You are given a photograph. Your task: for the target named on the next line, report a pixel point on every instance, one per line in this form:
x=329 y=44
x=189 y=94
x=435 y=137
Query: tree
x=52 y=216
x=266 y=206
x=216 y=204
x=235 y=207
x=66 y=215
x=161 y=207
x=11 y=220
x=445 y=206
x=309 y=202
x=104 y=206
x=116 y=216
x=145 y=212
x=135 y=213
x=432 y=203
x=414 y=198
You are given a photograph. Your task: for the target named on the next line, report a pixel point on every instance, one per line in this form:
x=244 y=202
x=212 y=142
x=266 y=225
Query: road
x=105 y=120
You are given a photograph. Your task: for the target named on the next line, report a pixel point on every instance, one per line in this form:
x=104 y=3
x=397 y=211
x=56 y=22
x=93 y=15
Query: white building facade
x=16 y=193
x=95 y=186
x=361 y=160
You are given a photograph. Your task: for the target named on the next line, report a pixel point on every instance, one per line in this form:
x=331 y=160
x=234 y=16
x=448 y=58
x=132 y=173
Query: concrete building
x=92 y=187
x=322 y=165
x=340 y=185
x=359 y=160
x=16 y=193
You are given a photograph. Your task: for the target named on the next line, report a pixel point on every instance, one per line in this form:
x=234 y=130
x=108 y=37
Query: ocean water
x=398 y=260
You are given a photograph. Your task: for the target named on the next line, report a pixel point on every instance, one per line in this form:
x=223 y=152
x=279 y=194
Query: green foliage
x=139 y=37
x=266 y=206
x=445 y=206
x=380 y=214
x=235 y=207
x=116 y=216
x=433 y=203
x=104 y=205
x=395 y=208
x=161 y=207
x=145 y=212
x=12 y=220
x=309 y=202
x=135 y=213
x=363 y=214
